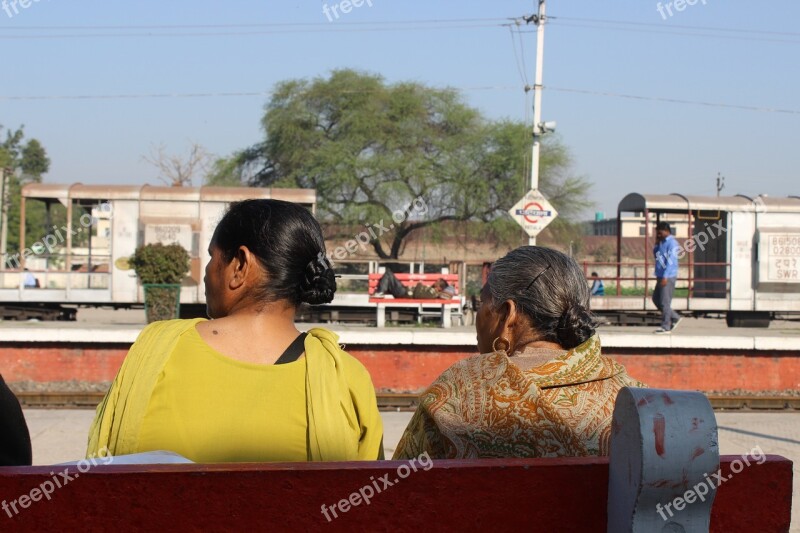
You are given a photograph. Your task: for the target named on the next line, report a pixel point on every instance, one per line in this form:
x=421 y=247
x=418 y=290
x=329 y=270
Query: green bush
x=157 y=263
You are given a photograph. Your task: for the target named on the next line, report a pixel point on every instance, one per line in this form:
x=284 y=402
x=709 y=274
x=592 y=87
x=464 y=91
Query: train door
x=710 y=260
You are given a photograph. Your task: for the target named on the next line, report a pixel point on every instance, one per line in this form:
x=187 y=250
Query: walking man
x=666 y=255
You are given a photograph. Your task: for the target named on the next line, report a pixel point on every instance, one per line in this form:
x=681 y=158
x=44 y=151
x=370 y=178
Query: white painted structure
x=664 y=447
x=98 y=272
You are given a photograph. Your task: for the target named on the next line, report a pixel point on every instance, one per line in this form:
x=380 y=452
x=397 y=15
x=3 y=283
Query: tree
x=34 y=161
x=175 y=170
x=24 y=163
x=372 y=149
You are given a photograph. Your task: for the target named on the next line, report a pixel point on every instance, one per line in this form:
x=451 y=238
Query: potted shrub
x=160 y=269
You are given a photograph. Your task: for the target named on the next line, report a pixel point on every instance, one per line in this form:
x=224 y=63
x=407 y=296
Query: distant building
x=634 y=226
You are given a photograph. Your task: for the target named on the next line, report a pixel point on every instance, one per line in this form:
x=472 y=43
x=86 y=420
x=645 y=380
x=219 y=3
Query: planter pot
x=162 y=301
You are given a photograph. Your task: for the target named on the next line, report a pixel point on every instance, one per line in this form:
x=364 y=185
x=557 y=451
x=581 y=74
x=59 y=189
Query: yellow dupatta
x=343 y=420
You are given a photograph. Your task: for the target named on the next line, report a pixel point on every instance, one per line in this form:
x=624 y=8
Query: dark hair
x=663 y=226
x=550 y=288
x=288 y=242
x=595 y=274
x=443 y=283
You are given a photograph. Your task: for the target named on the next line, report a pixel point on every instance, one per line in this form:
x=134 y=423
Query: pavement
x=133 y=320
x=60 y=436
x=688 y=326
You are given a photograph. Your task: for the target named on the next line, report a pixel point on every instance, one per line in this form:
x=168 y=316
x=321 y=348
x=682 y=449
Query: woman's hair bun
x=319 y=282
x=576 y=326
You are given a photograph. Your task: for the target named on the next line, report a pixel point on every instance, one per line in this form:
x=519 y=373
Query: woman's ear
x=240 y=266
x=510 y=315
x=509 y=323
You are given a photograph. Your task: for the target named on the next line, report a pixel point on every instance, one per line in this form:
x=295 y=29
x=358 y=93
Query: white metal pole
x=537 y=101
x=3 y=219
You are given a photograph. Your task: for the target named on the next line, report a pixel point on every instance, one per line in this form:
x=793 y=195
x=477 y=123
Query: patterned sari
x=484 y=406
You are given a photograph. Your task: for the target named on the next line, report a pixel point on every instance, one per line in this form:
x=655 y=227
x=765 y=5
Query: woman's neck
x=258 y=337
x=537 y=344
x=536 y=354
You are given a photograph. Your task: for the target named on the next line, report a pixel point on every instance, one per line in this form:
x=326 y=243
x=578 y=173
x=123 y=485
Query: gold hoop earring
x=502 y=340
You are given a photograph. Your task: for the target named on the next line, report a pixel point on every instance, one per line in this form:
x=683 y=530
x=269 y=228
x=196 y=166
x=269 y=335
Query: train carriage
x=740 y=256
x=84 y=260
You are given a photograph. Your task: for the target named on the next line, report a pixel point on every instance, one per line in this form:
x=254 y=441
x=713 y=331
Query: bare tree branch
x=175 y=170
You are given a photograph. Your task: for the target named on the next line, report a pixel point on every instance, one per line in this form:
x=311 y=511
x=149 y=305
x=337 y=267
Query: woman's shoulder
x=482 y=368
x=163 y=333
x=330 y=342
x=478 y=362
x=168 y=327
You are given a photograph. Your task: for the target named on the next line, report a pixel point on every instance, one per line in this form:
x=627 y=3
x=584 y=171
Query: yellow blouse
x=211 y=408
x=197 y=402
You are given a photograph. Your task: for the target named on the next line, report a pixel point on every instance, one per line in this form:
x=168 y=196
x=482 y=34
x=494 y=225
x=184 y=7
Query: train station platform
x=702 y=354
x=124 y=326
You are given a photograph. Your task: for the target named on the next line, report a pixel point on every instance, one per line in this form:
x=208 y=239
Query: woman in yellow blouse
x=247 y=386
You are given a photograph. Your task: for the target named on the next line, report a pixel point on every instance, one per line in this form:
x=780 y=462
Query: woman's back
x=210 y=408
x=486 y=406
x=212 y=391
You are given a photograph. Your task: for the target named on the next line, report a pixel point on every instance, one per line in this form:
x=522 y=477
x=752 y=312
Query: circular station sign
x=533 y=212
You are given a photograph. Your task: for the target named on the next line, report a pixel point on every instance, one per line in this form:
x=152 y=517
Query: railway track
x=404 y=402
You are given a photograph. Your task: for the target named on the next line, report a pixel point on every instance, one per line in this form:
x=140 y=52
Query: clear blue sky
x=620 y=144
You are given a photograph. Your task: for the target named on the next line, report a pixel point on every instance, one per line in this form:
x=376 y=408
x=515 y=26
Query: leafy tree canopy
x=371 y=148
x=25 y=162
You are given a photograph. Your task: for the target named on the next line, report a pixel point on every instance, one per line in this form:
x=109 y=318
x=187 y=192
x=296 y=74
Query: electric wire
x=758 y=109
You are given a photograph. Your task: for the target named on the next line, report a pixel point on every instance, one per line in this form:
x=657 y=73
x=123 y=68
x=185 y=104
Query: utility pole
x=3 y=219
x=533 y=212
x=720 y=183
x=538 y=129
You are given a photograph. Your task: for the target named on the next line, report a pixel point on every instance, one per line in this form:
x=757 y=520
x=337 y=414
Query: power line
x=141 y=96
x=325 y=25
x=243 y=33
x=202 y=95
x=522 y=75
x=276 y=29
x=676 y=101
x=264 y=25
x=684 y=27
x=670 y=32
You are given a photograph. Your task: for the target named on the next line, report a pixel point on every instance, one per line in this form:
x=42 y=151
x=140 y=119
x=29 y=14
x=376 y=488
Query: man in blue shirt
x=666 y=255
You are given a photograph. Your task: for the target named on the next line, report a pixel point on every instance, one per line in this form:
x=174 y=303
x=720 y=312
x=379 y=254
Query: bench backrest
x=567 y=494
x=410 y=280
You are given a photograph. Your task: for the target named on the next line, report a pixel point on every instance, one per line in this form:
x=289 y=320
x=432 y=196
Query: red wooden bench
x=567 y=494
x=445 y=307
x=645 y=485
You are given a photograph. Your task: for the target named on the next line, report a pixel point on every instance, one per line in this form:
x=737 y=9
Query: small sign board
x=783 y=252
x=533 y=212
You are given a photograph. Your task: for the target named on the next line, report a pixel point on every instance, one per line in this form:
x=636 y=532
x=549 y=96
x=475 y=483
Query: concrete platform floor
x=60 y=436
x=108 y=319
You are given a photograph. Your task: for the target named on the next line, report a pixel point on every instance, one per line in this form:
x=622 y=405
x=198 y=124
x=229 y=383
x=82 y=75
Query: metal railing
x=696 y=287
x=16 y=279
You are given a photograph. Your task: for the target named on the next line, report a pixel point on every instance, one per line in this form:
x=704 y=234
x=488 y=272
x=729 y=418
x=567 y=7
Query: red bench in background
x=446 y=307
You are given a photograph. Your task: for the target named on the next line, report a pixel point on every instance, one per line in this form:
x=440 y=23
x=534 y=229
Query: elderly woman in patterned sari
x=541 y=386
